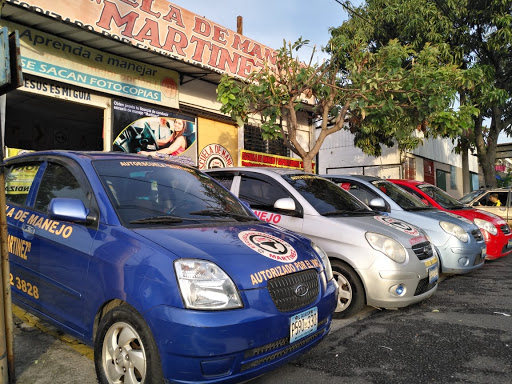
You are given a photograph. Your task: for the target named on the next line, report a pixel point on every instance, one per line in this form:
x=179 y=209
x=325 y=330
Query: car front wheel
x=124 y=349
x=351 y=297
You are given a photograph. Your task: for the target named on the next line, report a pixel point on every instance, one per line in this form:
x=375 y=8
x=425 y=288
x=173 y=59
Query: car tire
x=351 y=298
x=125 y=350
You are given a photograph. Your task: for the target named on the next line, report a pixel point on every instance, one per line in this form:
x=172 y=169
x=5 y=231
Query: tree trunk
x=308 y=164
x=486 y=148
x=489 y=171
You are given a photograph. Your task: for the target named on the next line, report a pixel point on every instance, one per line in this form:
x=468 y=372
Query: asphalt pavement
x=462 y=334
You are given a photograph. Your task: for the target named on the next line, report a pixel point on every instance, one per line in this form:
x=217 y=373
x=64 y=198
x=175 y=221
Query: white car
x=378 y=260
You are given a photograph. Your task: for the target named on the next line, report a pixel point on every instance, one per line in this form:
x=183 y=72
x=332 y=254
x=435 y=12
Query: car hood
x=405 y=233
x=249 y=254
x=430 y=219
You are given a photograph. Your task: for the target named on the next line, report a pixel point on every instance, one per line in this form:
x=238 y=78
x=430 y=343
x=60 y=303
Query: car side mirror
x=65 y=209
x=286 y=204
x=377 y=204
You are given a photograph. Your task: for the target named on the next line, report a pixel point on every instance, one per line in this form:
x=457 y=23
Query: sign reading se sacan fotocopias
x=161 y=27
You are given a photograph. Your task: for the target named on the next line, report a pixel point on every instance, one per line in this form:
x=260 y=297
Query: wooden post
x=6 y=323
x=240 y=25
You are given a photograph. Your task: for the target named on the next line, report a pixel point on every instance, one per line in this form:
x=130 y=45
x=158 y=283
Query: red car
x=495 y=229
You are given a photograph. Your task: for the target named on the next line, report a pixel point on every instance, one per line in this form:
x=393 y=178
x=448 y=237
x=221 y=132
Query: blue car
x=166 y=273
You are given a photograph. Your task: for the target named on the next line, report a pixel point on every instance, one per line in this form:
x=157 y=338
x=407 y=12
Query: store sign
x=258 y=159
x=162 y=27
x=215 y=156
x=61 y=60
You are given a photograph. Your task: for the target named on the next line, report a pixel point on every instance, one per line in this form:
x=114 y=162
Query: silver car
x=378 y=260
x=458 y=241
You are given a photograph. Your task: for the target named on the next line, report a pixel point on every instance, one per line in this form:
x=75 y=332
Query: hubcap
x=124 y=358
x=345 y=292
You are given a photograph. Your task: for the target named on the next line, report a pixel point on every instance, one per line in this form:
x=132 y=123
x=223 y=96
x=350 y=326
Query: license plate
x=303 y=324
x=433 y=274
x=509 y=244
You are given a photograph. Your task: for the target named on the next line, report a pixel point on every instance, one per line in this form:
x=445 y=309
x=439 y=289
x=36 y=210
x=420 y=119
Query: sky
x=270 y=21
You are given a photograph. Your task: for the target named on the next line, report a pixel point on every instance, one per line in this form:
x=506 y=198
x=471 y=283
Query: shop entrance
x=36 y=122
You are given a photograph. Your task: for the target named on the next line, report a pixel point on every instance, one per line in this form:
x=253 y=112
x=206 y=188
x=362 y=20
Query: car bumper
x=457 y=259
x=498 y=246
x=381 y=282
x=234 y=345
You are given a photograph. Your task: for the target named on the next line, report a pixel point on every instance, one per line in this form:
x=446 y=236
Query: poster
x=148 y=131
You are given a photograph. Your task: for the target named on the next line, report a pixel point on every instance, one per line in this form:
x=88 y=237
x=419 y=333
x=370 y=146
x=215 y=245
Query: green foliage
x=505 y=181
x=475 y=35
x=395 y=72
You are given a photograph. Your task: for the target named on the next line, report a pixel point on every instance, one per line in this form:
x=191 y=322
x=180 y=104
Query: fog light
x=463 y=261
x=397 y=290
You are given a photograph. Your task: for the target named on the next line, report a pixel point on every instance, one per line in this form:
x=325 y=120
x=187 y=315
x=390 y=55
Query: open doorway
x=36 y=122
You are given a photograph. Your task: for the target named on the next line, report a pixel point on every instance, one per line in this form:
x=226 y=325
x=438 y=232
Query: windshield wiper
x=419 y=209
x=337 y=212
x=160 y=220
x=221 y=213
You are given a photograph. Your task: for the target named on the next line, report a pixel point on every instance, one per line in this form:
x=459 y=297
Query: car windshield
x=467 y=199
x=441 y=197
x=326 y=197
x=400 y=196
x=153 y=192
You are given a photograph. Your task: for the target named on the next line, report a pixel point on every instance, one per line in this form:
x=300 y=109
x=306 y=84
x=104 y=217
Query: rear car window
x=18 y=182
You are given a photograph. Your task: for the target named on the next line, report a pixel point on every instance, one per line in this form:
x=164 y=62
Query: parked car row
x=495 y=228
x=174 y=274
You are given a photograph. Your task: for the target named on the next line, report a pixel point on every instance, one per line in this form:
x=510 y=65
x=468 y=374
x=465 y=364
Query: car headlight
x=204 y=285
x=486 y=225
x=455 y=230
x=325 y=260
x=388 y=246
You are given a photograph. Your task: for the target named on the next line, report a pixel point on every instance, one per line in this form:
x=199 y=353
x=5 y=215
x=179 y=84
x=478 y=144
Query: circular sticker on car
x=269 y=246
x=398 y=224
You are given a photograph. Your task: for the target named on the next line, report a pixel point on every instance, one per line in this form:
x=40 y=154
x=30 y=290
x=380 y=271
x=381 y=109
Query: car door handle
x=28 y=230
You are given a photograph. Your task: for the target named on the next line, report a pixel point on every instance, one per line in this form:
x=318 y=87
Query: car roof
x=354 y=177
x=409 y=182
x=86 y=155
x=261 y=170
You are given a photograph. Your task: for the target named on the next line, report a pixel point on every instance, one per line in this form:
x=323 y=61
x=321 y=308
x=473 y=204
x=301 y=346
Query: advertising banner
x=153 y=132
x=161 y=27
x=58 y=59
x=258 y=159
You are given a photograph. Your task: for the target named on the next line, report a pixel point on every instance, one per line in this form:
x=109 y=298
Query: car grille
x=423 y=250
x=424 y=286
x=477 y=234
x=281 y=348
x=284 y=290
x=505 y=229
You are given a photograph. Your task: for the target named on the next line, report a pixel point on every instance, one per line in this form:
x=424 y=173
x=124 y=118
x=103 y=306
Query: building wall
x=338 y=155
